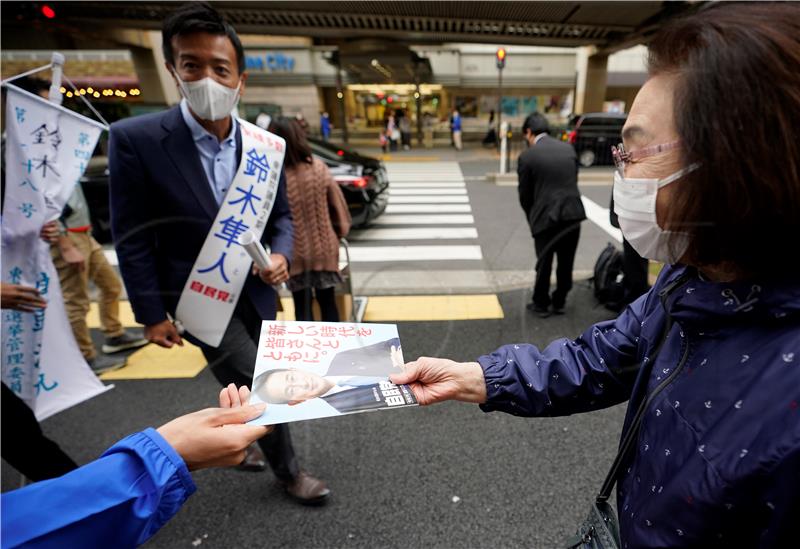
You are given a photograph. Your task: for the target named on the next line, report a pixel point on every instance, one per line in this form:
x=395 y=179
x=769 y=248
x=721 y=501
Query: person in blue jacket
x=708 y=182
x=123 y=498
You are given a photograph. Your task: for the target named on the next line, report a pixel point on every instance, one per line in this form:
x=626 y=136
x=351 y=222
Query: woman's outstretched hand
x=438 y=379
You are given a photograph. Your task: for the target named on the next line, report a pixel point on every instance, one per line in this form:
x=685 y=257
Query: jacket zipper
x=664 y=294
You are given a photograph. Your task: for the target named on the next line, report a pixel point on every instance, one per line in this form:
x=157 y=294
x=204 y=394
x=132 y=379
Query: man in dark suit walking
x=549 y=196
x=169 y=175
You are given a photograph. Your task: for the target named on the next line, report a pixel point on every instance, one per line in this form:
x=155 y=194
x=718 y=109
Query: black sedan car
x=593 y=134
x=362 y=179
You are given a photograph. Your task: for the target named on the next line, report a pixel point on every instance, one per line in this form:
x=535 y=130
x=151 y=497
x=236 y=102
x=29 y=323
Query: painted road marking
x=428 y=191
x=433 y=307
x=599 y=216
x=419 y=199
x=372 y=254
x=427 y=208
x=416 y=233
x=447 y=219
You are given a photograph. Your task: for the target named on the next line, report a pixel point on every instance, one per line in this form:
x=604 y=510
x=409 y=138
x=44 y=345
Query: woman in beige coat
x=320 y=216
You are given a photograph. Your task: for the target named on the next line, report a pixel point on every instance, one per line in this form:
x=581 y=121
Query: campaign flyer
x=310 y=370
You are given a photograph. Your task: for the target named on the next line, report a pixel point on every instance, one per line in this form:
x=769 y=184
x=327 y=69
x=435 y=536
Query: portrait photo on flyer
x=310 y=370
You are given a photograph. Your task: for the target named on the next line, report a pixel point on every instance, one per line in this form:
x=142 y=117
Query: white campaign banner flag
x=47 y=150
x=220 y=270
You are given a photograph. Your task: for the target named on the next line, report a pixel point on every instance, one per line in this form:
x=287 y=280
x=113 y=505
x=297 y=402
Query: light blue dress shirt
x=218 y=159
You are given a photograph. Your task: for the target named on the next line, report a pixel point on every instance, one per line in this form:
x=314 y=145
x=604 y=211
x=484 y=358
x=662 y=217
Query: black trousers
x=24 y=445
x=634 y=267
x=560 y=242
x=233 y=362
x=303 y=300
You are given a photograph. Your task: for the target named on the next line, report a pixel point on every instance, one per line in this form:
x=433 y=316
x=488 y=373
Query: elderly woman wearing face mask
x=708 y=181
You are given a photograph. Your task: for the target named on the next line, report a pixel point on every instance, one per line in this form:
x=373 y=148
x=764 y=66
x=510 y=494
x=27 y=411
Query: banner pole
x=55 y=95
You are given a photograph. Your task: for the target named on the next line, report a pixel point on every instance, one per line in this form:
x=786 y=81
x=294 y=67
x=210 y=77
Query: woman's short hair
x=297 y=148
x=737 y=112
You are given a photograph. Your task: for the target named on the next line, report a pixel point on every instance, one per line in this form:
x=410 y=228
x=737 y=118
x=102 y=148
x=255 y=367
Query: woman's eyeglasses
x=622 y=157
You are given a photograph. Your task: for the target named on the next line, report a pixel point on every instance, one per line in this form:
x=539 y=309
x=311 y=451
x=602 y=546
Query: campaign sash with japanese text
x=46 y=152
x=220 y=270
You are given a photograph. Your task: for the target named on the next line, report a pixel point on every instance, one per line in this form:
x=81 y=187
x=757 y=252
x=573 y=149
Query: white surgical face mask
x=209 y=99
x=635 y=206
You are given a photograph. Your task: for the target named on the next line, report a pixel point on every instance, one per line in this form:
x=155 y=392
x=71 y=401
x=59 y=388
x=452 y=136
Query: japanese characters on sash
x=220 y=270
x=47 y=150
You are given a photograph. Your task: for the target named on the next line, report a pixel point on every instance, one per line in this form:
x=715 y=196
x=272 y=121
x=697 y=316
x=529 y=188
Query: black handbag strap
x=633 y=431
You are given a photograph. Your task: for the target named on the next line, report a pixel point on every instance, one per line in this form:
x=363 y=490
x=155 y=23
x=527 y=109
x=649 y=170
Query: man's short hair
x=536 y=123
x=198 y=17
x=260 y=383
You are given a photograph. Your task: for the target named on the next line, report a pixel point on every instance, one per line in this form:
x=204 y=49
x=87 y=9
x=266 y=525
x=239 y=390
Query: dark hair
x=536 y=123
x=261 y=381
x=297 y=147
x=737 y=112
x=193 y=18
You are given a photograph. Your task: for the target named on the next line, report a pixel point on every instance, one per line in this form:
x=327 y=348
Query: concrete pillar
x=596 y=80
x=156 y=82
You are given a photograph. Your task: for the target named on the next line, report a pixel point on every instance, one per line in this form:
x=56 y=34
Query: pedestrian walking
x=490 y=139
x=404 y=125
x=549 y=196
x=455 y=125
x=79 y=260
x=320 y=218
x=709 y=358
x=186 y=159
x=325 y=126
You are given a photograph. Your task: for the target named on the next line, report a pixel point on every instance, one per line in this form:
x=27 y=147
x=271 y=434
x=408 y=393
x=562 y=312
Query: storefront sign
x=272 y=62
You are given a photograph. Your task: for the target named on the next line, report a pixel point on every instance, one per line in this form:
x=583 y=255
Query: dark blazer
x=370 y=361
x=548 y=185
x=162 y=209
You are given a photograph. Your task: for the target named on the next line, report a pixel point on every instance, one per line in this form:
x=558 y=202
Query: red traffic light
x=501 y=58
x=48 y=12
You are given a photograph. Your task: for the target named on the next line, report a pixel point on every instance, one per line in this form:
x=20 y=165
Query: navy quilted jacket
x=717 y=460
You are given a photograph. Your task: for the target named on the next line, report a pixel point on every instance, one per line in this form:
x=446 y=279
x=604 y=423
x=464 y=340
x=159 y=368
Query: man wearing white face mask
x=175 y=176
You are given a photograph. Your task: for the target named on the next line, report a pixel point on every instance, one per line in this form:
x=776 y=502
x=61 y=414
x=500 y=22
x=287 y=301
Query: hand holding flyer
x=309 y=370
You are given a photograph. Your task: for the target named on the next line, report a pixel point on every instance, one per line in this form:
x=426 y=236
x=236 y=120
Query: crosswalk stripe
x=420 y=199
x=371 y=254
x=427 y=208
x=417 y=185
x=424 y=177
x=417 y=192
x=599 y=216
x=447 y=219
x=416 y=233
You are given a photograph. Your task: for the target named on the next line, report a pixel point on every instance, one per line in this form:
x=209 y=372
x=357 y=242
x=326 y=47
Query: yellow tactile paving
x=432 y=307
x=154 y=362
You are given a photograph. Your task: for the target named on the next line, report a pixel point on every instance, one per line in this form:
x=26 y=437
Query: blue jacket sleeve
x=118 y=500
x=134 y=237
x=596 y=370
x=279 y=233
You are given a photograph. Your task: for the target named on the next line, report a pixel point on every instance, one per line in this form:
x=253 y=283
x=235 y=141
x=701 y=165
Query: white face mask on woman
x=209 y=99
x=635 y=206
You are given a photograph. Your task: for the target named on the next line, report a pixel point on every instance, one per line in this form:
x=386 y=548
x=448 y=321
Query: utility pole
x=501 y=64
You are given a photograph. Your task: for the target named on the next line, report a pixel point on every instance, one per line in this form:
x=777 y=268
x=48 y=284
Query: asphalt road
x=441 y=476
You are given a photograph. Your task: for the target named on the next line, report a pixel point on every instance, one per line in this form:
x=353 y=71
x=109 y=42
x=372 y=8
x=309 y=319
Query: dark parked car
x=362 y=179
x=593 y=134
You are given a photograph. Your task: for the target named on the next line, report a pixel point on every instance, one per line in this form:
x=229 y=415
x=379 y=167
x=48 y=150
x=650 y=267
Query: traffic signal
x=501 y=58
